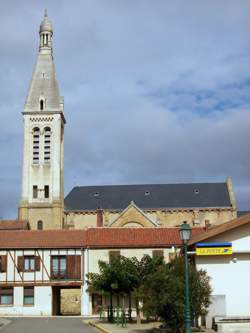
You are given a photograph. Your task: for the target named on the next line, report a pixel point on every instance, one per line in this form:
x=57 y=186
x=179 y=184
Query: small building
x=44 y=272
x=230 y=274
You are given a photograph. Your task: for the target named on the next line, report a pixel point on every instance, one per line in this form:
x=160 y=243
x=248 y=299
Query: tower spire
x=42 y=183
x=43 y=94
x=46 y=32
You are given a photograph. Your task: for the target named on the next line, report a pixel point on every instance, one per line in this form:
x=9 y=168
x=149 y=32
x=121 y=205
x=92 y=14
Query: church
x=46 y=253
x=42 y=199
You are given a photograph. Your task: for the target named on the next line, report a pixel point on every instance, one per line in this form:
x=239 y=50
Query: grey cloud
x=154 y=91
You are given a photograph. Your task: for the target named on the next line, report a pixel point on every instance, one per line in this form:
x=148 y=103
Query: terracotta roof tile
x=244 y=219
x=14 y=225
x=92 y=238
x=42 y=239
x=141 y=237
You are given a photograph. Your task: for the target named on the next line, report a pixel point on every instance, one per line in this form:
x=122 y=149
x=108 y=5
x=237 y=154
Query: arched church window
x=41 y=104
x=47 y=144
x=40 y=225
x=36 y=143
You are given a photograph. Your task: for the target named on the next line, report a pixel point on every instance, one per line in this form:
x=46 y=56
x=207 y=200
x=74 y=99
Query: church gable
x=133 y=217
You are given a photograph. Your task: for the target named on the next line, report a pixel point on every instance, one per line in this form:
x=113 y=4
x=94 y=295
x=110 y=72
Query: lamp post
x=185 y=235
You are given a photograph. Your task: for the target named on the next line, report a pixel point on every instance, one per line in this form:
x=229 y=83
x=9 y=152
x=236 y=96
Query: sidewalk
x=131 y=328
x=3 y=322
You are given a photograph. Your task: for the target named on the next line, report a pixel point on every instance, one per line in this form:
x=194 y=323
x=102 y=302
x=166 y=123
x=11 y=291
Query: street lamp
x=185 y=235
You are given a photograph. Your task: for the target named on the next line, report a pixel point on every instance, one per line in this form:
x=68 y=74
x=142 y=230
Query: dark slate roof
x=118 y=197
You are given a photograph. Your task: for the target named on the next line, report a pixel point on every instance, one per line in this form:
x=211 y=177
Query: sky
x=154 y=91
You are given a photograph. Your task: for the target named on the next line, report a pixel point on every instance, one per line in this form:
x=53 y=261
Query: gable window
x=36 y=142
x=28 y=296
x=35 y=192
x=47 y=144
x=6 y=296
x=46 y=191
x=40 y=225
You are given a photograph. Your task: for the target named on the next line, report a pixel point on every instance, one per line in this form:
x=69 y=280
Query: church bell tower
x=43 y=167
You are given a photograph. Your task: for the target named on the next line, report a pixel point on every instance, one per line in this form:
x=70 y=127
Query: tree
x=123 y=276
x=163 y=292
x=118 y=277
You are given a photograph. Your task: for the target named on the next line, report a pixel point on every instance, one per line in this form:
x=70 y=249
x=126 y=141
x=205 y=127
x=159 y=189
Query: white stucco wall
x=230 y=275
x=42 y=303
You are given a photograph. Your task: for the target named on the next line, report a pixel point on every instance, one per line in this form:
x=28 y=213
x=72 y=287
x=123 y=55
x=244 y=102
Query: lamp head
x=185 y=232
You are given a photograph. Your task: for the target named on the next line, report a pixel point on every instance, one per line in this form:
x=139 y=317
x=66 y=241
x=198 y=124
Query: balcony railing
x=58 y=274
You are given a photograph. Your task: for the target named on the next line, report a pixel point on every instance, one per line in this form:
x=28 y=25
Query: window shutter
x=6 y=291
x=74 y=267
x=28 y=291
x=158 y=253
x=37 y=263
x=20 y=264
x=3 y=263
x=114 y=254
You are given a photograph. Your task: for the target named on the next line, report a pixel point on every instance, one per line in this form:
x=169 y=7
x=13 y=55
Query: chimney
x=99 y=217
x=207 y=224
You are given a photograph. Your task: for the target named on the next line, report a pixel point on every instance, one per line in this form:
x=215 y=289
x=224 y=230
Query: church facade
x=42 y=200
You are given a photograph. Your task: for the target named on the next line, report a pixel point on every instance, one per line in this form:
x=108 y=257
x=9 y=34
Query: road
x=47 y=325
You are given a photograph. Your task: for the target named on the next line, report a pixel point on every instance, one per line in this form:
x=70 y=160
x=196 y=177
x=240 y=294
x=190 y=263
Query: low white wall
x=42 y=306
x=230 y=276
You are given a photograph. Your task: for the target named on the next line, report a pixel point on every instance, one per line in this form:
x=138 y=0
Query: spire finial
x=45 y=13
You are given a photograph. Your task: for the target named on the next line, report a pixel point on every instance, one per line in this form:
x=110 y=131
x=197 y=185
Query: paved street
x=47 y=325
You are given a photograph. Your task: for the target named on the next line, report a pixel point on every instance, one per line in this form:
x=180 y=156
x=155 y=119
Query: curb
x=99 y=327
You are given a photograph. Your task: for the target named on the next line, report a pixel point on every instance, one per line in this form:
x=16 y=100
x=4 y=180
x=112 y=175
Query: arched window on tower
x=47 y=144
x=40 y=225
x=41 y=104
x=36 y=144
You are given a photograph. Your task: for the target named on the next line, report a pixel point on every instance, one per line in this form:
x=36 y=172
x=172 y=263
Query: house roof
x=230 y=225
x=118 y=197
x=35 y=239
x=14 y=225
x=134 y=237
x=92 y=238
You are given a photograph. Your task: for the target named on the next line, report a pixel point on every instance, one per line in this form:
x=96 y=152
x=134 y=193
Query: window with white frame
x=28 y=295
x=58 y=266
x=29 y=263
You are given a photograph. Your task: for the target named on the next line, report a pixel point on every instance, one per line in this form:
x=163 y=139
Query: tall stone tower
x=43 y=167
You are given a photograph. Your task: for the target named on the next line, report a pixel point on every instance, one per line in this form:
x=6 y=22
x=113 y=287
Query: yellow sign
x=213 y=251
